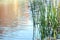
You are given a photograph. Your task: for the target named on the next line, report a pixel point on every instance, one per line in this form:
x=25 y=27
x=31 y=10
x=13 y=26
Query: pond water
x=24 y=33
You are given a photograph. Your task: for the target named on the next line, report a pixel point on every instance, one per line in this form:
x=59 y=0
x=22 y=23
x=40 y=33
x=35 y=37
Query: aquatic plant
x=45 y=17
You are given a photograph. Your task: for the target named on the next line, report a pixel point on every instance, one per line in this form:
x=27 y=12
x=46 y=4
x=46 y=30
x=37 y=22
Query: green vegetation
x=46 y=16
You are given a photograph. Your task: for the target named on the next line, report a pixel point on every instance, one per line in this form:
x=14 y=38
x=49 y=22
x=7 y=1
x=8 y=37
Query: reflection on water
x=20 y=34
x=12 y=15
